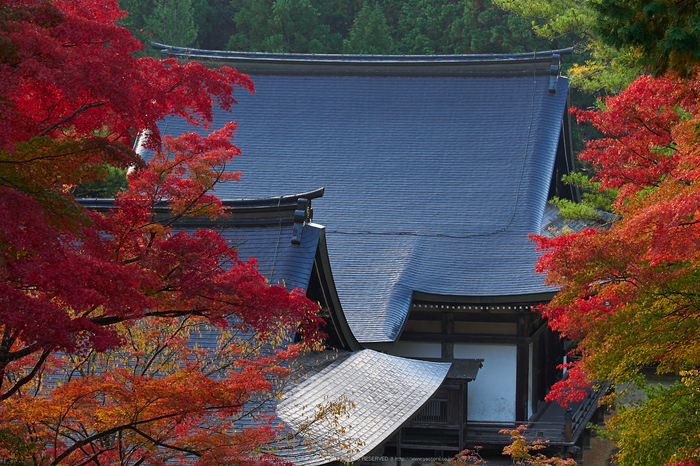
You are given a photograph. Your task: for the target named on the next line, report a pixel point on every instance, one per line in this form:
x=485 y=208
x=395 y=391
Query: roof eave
x=242 y=212
x=323 y=265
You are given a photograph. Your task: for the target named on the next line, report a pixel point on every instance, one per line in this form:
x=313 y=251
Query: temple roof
x=384 y=391
x=433 y=179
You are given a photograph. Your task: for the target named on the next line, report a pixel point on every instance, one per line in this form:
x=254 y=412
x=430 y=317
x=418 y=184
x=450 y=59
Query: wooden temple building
x=426 y=174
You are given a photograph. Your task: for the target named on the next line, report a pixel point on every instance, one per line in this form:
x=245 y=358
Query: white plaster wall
x=412 y=349
x=492 y=393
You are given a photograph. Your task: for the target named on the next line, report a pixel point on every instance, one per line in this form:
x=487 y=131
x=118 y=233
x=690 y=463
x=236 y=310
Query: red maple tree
x=74 y=285
x=628 y=294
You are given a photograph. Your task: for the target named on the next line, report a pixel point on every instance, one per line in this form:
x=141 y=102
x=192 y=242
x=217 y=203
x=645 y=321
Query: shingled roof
x=435 y=169
x=385 y=391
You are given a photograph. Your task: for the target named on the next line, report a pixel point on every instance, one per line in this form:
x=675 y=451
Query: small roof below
x=465 y=369
x=385 y=391
x=554 y=224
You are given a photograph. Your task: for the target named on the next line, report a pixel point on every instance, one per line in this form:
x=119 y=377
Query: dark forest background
x=411 y=27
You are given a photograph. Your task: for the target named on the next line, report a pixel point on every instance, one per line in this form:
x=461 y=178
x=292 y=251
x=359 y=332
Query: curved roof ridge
x=332 y=57
x=431 y=65
x=274 y=200
x=234 y=205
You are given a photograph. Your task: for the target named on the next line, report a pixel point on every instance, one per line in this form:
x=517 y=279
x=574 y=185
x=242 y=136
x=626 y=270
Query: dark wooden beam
x=464 y=338
x=459 y=316
x=448 y=328
x=529 y=299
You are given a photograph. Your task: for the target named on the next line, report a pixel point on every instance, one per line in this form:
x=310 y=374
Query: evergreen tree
x=423 y=26
x=172 y=22
x=214 y=21
x=281 y=26
x=415 y=27
x=664 y=34
x=482 y=27
x=369 y=33
x=113 y=182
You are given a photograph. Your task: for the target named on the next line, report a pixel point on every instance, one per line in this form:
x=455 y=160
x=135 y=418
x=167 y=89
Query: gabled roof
x=435 y=169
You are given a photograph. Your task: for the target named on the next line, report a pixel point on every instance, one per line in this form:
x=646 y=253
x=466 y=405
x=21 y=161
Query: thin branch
x=27 y=378
x=163 y=444
x=94 y=458
x=77 y=367
x=111 y=320
x=71 y=116
x=24 y=352
x=132 y=426
x=161 y=349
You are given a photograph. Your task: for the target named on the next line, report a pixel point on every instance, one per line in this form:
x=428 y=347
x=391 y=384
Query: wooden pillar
x=448 y=328
x=398 y=447
x=522 y=375
x=462 y=412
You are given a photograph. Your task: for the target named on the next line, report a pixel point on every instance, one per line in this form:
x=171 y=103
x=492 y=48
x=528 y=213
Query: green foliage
x=665 y=34
x=427 y=27
x=662 y=429
x=135 y=22
x=482 y=27
x=620 y=39
x=369 y=33
x=15 y=450
x=422 y=27
x=172 y=22
x=414 y=27
x=281 y=26
x=214 y=22
x=596 y=203
x=114 y=182
x=604 y=70
x=598 y=67
x=552 y=18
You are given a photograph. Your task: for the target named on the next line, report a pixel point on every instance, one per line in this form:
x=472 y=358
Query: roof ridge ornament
x=554 y=73
x=303 y=215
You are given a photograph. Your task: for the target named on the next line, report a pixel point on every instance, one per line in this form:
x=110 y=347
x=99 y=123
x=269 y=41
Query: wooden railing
x=489 y=433
x=584 y=411
x=555 y=432
x=432 y=421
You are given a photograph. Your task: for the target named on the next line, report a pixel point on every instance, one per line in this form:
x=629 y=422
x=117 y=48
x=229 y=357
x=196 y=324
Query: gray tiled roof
x=278 y=259
x=432 y=182
x=385 y=391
